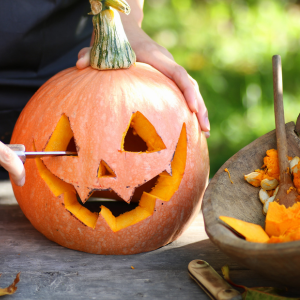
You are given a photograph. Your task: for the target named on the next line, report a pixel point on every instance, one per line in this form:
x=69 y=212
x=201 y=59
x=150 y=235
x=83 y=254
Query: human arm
x=11 y=162
x=148 y=51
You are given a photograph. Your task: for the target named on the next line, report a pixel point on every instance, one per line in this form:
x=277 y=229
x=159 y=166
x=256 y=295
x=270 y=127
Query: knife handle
x=19 y=149
x=211 y=282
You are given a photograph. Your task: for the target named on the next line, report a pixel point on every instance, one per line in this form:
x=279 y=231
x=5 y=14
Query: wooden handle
x=211 y=282
x=279 y=117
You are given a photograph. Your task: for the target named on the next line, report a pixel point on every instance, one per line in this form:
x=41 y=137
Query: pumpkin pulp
x=281 y=224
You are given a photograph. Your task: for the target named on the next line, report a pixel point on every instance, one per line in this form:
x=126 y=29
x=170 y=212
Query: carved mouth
x=114 y=202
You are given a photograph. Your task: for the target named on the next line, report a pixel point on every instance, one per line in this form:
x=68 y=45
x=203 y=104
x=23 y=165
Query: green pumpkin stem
x=111 y=48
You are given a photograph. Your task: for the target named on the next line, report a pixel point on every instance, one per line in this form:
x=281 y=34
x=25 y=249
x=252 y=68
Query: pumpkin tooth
x=83 y=192
x=169 y=169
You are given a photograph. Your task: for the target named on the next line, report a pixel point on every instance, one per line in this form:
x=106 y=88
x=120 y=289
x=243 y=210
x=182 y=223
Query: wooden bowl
x=240 y=200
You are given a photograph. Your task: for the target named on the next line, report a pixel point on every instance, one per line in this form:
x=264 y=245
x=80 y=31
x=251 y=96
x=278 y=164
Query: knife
x=19 y=149
x=211 y=282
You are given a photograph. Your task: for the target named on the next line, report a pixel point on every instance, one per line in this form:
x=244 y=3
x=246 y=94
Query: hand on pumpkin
x=147 y=51
x=11 y=162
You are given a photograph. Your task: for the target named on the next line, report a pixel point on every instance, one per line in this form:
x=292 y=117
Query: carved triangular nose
x=105 y=170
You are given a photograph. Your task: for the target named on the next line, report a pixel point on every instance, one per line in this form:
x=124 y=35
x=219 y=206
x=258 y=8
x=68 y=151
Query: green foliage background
x=227 y=46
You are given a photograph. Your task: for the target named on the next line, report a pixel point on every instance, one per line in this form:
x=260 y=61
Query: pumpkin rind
x=99 y=112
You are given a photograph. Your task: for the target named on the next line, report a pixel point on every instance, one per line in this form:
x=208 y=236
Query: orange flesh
x=292 y=234
x=280 y=219
x=105 y=170
x=271 y=170
x=166 y=185
x=257 y=180
x=282 y=224
x=271 y=162
x=290 y=189
x=251 y=232
x=227 y=171
x=146 y=131
x=61 y=136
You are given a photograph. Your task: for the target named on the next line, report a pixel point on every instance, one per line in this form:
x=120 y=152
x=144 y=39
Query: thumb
x=11 y=162
x=83 y=58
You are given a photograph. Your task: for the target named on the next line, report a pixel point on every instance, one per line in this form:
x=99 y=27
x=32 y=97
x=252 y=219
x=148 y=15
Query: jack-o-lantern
x=139 y=153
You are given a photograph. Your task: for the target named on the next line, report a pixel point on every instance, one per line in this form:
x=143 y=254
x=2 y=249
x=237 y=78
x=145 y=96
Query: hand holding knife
x=19 y=149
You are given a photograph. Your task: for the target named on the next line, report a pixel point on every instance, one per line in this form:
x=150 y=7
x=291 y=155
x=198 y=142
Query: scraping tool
x=19 y=149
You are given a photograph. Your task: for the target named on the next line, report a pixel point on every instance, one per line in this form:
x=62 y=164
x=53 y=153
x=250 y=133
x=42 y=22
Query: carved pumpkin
x=137 y=143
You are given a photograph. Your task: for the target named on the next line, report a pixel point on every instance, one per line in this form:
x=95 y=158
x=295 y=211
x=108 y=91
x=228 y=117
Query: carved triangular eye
x=62 y=138
x=105 y=171
x=133 y=142
x=141 y=136
x=72 y=146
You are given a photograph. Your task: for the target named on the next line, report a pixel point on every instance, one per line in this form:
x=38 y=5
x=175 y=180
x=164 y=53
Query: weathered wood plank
x=49 y=271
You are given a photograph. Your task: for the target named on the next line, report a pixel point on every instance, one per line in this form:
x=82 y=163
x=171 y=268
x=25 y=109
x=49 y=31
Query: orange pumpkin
x=137 y=143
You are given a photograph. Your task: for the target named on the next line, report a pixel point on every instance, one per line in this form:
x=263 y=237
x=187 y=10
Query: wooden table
x=49 y=271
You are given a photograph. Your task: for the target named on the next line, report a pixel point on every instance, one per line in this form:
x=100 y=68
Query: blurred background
x=227 y=46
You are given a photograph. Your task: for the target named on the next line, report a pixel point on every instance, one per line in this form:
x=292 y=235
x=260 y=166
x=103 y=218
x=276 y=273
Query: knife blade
x=211 y=282
x=19 y=149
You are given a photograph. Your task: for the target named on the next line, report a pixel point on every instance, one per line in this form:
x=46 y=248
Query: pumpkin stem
x=111 y=48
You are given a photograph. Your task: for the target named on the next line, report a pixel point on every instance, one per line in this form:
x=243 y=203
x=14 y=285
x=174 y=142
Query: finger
x=11 y=162
x=202 y=113
x=202 y=116
x=191 y=92
x=83 y=58
x=181 y=78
